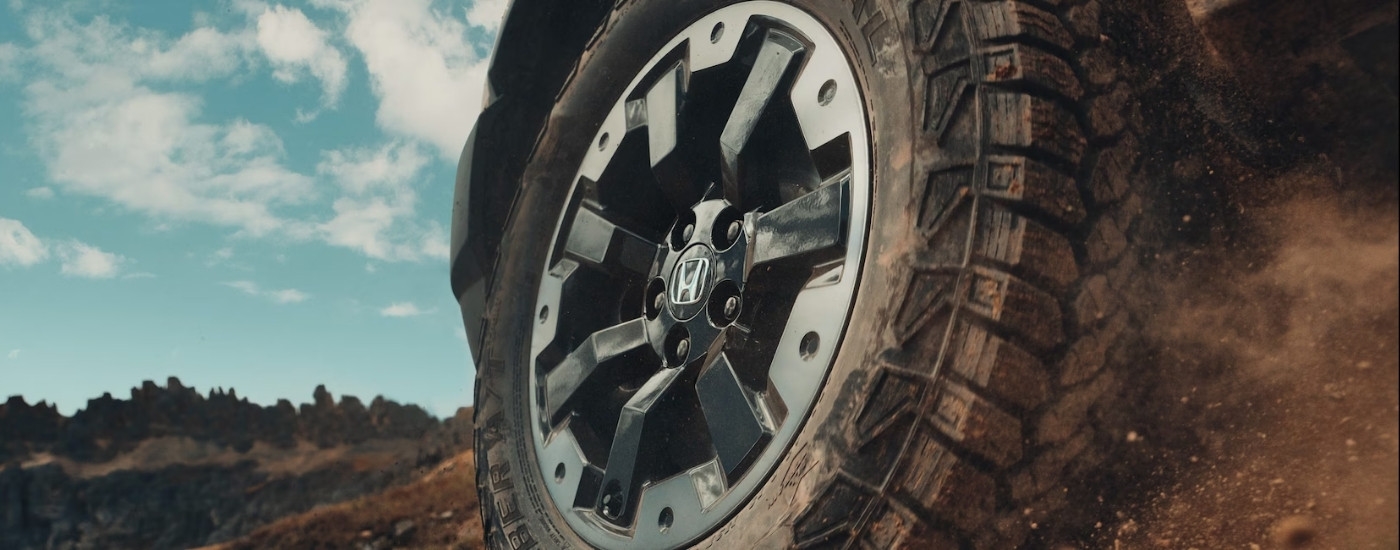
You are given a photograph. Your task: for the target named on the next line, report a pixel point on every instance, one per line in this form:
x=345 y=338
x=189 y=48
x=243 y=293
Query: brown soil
x=439 y=510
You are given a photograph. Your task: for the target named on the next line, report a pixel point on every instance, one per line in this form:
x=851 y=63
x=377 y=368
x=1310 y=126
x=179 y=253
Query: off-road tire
x=959 y=406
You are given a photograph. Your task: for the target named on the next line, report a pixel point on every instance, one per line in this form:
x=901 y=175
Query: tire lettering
x=520 y=538
x=507 y=509
x=500 y=477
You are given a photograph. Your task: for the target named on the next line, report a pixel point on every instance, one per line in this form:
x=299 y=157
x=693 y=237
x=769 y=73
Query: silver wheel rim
x=826 y=105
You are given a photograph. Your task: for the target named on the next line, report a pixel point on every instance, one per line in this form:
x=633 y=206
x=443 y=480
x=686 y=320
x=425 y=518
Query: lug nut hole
x=716 y=33
x=559 y=472
x=655 y=298
x=683 y=231
x=665 y=520
x=677 y=346
x=827 y=93
x=809 y=345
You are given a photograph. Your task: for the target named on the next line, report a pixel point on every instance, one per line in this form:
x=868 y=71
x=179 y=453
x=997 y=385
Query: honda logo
x=688 y=281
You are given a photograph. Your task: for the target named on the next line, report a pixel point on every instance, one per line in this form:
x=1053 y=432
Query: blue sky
x=238 y=193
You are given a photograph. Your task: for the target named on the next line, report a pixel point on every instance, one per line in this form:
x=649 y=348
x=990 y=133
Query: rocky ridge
x=170 y=467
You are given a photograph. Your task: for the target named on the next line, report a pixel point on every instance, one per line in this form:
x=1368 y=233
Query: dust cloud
x=1272 y=421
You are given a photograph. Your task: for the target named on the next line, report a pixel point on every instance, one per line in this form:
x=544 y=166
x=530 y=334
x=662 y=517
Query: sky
x=242 y=194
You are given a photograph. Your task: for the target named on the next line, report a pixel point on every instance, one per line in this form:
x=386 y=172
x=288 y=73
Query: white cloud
x=87 y=261
x=112 y=115
x=284 y=296
x=427 y=76
x=14 y=354
x=103 y=131
x=403 y=309
x=18 y=246
x=487 y=14
x=294 y=44
x=376 y=215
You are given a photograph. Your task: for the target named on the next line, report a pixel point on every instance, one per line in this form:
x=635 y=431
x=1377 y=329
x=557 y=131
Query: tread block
x=893 y=394
x=1045 y=471
x=1024 y=64
x=975 y=423
x=1026 y=248
x=1094 y=301
x=945 y=486
x=890 y=527
x=1070 y=413
x=1113 y=170
x=928 y=17
x=1026 y=122
x=925 y=306
x=832 y=515
x=998 y=22
x=946 y=192
x=1107 y=115
x=1087 y=356
x=1032 y=183
x=1015 y=306
x=1000 y=368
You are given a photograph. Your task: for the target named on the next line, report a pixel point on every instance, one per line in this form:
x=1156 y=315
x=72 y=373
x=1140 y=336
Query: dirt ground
x=1276 y=410
x=1272 y=419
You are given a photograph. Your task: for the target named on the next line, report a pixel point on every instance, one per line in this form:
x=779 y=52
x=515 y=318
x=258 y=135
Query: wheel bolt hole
x=728 y=228
x=559 y=472
x=716 y=33
x=809 y=345
x=655 y=298
x=666 y=519
x=725 y=303
x=612 y=500
x=683 y=231
x=544 y=314
x=677 y=346
x=827 y=92
x=603 y=141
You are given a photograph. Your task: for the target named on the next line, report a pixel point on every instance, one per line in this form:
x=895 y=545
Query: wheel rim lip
x=561 y=444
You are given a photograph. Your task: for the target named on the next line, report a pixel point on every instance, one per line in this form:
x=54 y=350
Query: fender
x=537 y=48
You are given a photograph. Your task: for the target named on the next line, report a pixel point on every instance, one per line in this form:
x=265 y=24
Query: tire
x=957 y=409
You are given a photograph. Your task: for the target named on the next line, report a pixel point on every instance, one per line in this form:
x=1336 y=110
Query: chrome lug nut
x=732 y=233
x=682 y=349
x=731 y=308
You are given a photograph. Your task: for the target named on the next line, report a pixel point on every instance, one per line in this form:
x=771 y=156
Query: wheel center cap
x=690 y=281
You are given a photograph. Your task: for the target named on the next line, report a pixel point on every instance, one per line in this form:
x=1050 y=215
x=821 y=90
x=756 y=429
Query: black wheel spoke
x=664 y=102
x=594 y=239
x=737 y=426
x=774 y=66
x=810 y=223
x=625 y=458
x=578 y=367
x=724 y=275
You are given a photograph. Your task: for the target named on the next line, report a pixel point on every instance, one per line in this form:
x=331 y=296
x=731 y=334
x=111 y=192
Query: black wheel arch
x=537 y=47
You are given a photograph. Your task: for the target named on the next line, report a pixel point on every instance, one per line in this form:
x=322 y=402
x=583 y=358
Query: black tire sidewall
x=516 y=506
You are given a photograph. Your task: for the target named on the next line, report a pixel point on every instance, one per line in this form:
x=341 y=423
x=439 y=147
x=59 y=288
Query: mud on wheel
x=807 y=274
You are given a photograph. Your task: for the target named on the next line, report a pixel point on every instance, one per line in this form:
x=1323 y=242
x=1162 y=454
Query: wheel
x=806 y=274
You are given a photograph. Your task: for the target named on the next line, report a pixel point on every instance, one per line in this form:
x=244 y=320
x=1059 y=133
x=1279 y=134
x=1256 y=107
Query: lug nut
x=731 y=307
x=659 y=301
x=732 y=233
x=688 y=232
x=682 y=349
